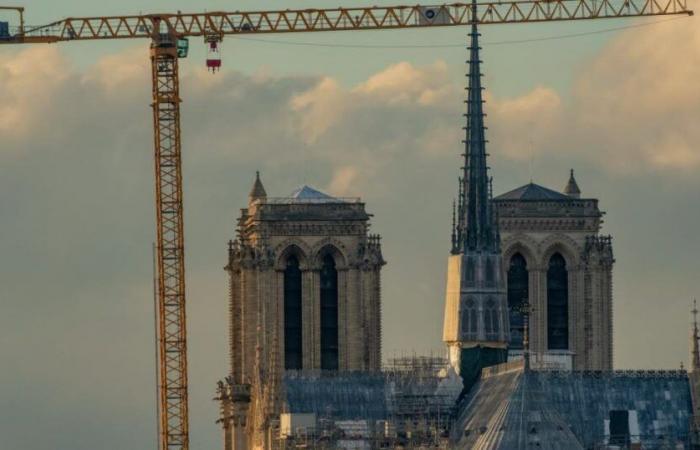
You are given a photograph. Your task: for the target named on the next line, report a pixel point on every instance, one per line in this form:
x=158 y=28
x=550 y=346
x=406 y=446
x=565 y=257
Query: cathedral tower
x=555 y=256
x=305 y=297
x=476 y=313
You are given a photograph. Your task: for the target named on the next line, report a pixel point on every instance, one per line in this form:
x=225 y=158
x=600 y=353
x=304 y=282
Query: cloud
x=638 y=102
x=121 y=71
x=319 y=108
x=399 y=87
x=515 y=122
x=30 y=80
x=633 y=108
x=344 y=181
x=404 y=84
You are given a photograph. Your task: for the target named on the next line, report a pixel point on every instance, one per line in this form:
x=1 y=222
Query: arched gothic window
x=557 y=304
x=329 y=314
x=491 y=326
x=518 y=287
x=490 y=275
x=469 y=320
x=470 y=270
x=292 y=315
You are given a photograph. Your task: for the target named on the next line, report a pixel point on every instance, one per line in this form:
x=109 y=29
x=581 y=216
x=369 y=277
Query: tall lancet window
x=329 y=314
x=491 y=325
x=292 y=315
x=518 y=286
x=469 y=320
x=557 y=304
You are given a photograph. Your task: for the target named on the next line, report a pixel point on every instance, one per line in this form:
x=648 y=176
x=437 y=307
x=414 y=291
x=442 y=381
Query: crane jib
x=337 y=19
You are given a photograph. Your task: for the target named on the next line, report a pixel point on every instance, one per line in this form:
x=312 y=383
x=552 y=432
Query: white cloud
x=404 y=84
x=121 y=71
x=319 y=108
x=344 y=181
x=635 y=107
x=520 y=125
x=29 y=81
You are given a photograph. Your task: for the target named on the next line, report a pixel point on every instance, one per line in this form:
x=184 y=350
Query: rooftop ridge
x=326 y=201
x=533 y=191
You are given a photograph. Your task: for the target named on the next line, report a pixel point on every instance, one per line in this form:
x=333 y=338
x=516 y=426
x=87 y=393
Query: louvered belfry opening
x=557 y=304
x=329 y=314
x=292 y=315
x=518 y=286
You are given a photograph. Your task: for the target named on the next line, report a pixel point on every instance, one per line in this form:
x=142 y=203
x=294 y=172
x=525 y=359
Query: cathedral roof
x=308 y=194
x=518 y=410
x=532 y=191
x=343 y=396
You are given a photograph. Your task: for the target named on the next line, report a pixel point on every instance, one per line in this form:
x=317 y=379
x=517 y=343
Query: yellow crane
x=168 y=35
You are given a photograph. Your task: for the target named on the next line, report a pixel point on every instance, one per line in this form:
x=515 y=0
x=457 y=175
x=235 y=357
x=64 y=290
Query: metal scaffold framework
x=168 y=34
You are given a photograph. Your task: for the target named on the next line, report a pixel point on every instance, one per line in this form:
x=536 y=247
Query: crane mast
x=165 y=30
x=172 y=339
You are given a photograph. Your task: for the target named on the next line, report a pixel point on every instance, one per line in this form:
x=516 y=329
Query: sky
x=620 y=106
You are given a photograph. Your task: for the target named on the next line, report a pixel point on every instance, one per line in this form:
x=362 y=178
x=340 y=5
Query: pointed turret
x=571 y=188
x=258 y=190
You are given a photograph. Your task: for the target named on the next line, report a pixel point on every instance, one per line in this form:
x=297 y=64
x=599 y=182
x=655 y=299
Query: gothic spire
x=477 y=230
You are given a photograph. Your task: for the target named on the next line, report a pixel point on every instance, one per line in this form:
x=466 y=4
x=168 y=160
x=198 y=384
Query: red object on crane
x=213 y=56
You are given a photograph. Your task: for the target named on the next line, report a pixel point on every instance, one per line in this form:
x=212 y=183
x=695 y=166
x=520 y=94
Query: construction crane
x=168 y=34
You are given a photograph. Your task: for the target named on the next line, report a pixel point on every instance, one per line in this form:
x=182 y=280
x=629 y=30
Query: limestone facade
x=556 y=237
x=317 y=251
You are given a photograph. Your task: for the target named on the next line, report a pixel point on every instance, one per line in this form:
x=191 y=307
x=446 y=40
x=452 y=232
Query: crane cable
x=429 y=46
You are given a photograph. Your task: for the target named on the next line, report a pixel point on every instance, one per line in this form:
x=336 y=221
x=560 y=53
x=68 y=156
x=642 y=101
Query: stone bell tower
x=305 y=296
x=476 y=310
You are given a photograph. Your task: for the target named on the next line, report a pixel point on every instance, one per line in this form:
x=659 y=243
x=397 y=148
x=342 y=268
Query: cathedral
x=527 y=328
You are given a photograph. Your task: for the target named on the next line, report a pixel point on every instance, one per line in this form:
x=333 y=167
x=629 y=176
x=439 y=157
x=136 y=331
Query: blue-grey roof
x=369 y=396
x=554 y=410
x=307 y=193
x=532 y=191
x=348 y=396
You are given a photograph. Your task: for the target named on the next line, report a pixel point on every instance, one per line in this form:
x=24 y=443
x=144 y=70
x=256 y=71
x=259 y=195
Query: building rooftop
x=306 y=193
x=532 y=191
x=517 y=410
x=309 y=195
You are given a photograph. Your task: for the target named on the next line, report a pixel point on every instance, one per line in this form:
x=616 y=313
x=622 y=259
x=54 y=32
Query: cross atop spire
x=476 y=229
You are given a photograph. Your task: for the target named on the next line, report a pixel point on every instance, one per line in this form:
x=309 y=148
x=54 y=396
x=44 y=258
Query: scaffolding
x=422 y=404
x=416 y=396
